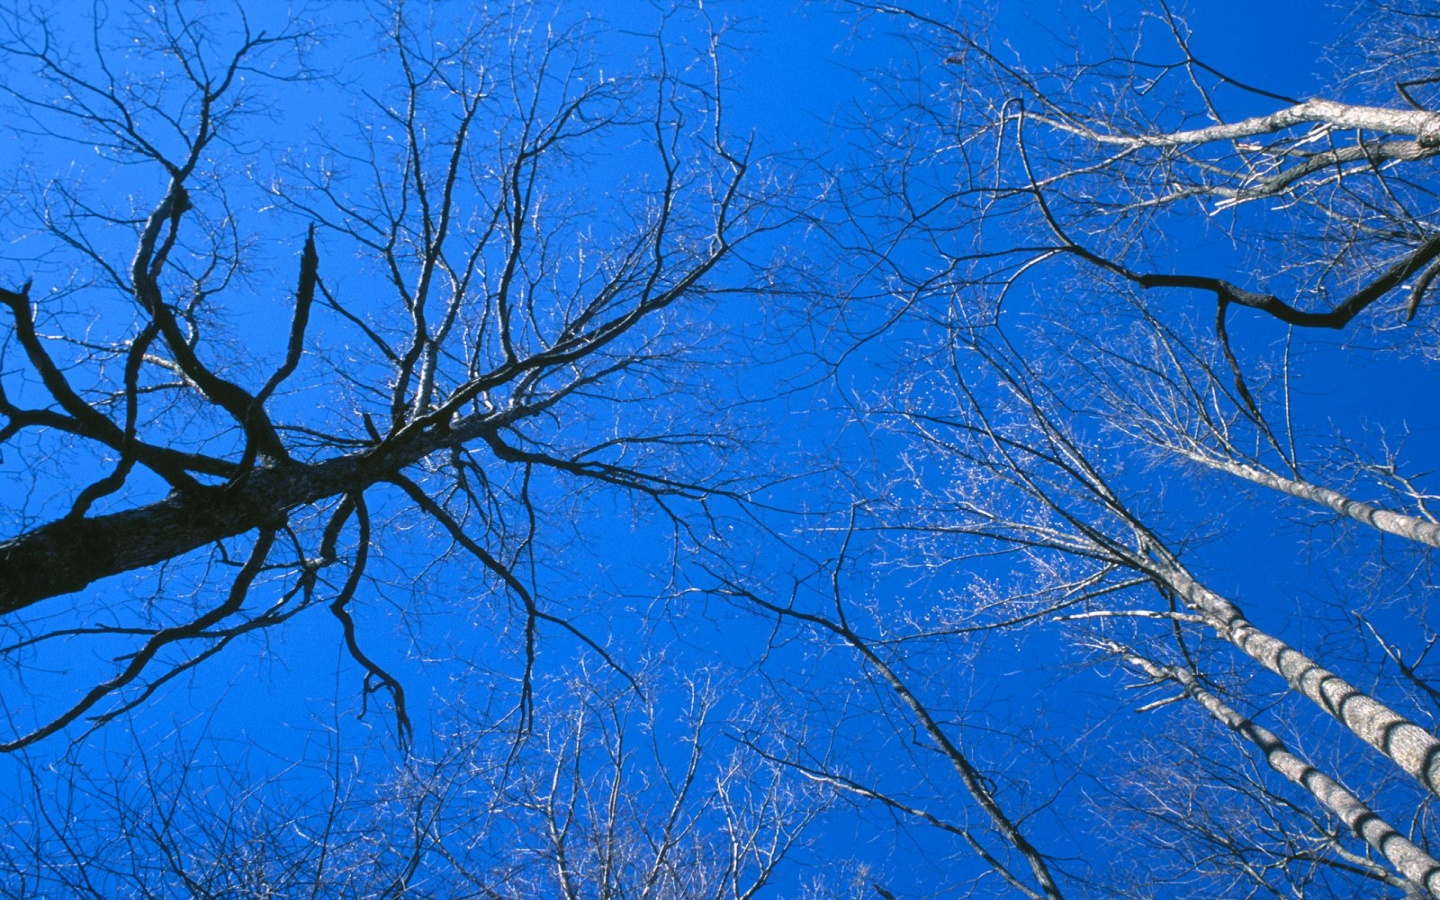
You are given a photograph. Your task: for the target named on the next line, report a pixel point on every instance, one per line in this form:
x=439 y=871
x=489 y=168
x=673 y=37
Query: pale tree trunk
x=1422 y=125
x=1405 y=743
x=1413 y=863
x=1412 y=528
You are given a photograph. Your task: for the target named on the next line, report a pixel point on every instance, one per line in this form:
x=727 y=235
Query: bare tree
x=1000 y=840
x=1217 y=822
x=1418 y=869
x=593 y=803
x=1031 y=253
x=503 y=254
x=501 y=267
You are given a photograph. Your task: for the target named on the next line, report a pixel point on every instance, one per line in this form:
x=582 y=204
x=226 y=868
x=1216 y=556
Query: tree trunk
x=1408 y=859
x=1409 y=746
x=1412 y=528
x=68 y=554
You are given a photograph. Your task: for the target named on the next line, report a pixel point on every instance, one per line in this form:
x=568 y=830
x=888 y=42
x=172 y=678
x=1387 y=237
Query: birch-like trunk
x=1405 y=856
x=1412 y=528
x=1408 y=745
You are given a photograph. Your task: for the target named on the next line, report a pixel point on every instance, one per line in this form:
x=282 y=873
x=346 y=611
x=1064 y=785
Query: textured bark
x=1409 y=746
x=1408 y=859
x=1412 y=528
x=71 y=553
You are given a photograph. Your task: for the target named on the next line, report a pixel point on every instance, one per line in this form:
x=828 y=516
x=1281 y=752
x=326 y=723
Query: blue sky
x=800 y=80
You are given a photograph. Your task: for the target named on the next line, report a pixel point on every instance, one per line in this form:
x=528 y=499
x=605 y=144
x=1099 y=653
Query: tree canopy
x=497 y=450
